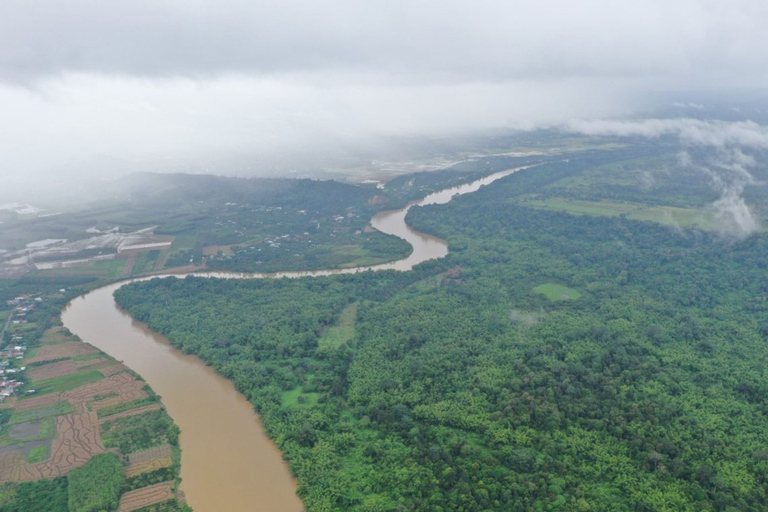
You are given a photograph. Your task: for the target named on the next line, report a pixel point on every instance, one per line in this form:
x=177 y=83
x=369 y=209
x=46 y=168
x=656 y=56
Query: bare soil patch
x=62 y=350
x=9 y=461
x=149 y=460
x=112 y=370
x=27 y=430
x=38 y=401
x=140 y=498
x=52 y=370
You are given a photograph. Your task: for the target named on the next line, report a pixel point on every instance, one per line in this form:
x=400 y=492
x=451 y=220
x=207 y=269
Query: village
x=13 y=344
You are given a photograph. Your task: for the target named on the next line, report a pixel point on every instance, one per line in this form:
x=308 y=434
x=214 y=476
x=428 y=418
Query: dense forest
x=550 y=362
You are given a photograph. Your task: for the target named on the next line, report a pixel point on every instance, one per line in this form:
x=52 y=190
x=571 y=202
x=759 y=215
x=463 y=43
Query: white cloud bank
x=182 y=80
x=728 y=171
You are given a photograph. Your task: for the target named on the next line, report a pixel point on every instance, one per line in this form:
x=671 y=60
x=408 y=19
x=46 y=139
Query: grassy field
x=297 y=398
x=554 y=291
x=53 y=336
x=343 y=331
x=683 y=217
x=45 y=413
x=182 y=243
x=21 y=328
x=38 y=454
x=147 y=262
x=667 y=215
x=65 y=383
x=125 y=406
x=109 y=269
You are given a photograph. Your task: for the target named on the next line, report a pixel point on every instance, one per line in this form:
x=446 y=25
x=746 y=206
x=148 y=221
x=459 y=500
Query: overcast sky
x=181 y=80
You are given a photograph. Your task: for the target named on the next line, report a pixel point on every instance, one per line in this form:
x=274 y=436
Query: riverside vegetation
x=86 y=414
x=148 y=442
x=468 y=384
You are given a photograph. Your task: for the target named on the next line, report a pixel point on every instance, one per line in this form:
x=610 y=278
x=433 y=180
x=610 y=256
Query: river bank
x=228 y=461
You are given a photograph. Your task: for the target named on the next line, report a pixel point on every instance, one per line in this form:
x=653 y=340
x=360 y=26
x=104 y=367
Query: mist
x=726 y=166
x=90 y=89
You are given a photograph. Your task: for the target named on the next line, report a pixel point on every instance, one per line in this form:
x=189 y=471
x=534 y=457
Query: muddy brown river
x=228 y=462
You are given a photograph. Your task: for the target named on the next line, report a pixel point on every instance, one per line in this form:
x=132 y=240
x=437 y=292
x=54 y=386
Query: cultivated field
x=117 y=389
x=111 y=370
x=38 y=401
x=149 y=460
x=77 y=440
x=146 y=496
x=56 y=427
x=131 y=412
x=52 y=370
x=62 y=350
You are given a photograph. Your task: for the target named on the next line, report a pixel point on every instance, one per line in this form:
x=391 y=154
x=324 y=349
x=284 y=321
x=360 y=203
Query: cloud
x=181 y=82
x=406 y=40
x=728 y=169
x=689 y=131
x=188 y=121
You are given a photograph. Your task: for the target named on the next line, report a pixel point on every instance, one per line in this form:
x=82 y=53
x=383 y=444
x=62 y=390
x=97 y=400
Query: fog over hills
x=249 y=88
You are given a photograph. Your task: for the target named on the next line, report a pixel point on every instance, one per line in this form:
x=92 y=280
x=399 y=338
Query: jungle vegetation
x=461 y=388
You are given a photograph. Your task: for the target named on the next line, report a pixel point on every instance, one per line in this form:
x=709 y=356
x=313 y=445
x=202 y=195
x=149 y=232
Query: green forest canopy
x=464 y=390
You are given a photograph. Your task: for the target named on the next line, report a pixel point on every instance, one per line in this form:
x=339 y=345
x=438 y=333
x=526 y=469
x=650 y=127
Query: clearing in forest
x=342 y=331
x=667 y=215
x=554 y=291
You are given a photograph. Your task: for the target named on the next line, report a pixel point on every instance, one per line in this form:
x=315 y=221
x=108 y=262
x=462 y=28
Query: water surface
x=228 y=463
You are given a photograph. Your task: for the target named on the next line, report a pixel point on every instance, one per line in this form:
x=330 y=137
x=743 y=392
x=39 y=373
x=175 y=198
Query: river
x=228 y=463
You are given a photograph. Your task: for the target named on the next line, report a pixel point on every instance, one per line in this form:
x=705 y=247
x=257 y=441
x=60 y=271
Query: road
x=7 y=323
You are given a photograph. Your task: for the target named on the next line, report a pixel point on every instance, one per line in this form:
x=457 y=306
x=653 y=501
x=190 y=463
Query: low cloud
x=182 y=123
x=728 y=170
x=695 y=132
x=525 y=318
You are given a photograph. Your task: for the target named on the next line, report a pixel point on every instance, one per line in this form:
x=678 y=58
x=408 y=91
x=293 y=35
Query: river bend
x=228 y=462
